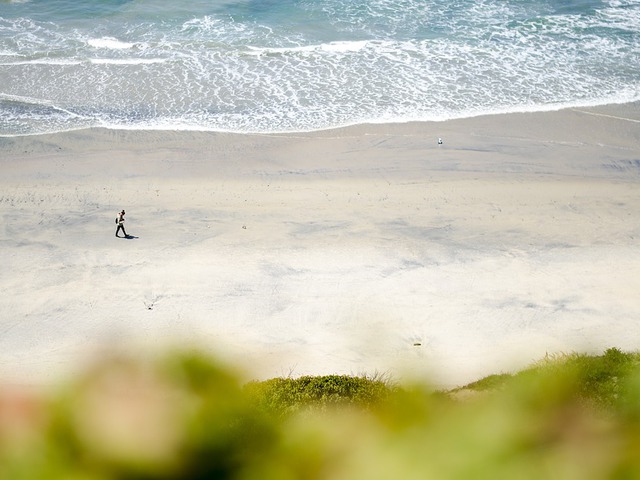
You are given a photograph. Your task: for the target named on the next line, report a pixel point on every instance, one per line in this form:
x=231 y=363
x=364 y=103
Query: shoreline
x=482 y=135
x=353 y=250
x=628 y=107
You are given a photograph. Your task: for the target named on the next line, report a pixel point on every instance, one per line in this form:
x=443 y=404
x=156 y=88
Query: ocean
x=263 y=66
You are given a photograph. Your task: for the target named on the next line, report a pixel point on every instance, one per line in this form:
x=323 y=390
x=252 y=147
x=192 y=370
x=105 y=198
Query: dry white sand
x=359 y=250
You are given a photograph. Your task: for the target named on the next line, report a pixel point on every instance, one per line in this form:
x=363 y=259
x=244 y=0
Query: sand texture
x=357 y=250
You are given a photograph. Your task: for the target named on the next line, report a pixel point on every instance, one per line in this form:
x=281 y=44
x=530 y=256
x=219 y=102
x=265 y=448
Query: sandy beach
x=359 y=250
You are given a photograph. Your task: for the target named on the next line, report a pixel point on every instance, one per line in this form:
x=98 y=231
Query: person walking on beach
x=120 y=222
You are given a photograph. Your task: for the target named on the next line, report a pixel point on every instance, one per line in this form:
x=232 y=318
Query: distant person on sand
x=120 y=222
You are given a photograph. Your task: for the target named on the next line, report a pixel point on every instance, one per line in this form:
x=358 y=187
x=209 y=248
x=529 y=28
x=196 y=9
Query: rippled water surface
x=297 y=65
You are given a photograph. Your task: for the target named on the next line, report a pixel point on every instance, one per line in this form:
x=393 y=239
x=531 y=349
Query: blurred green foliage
x=187 y=416
x=284 y=396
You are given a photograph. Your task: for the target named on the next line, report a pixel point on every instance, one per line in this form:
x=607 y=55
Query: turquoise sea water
x=297 y=65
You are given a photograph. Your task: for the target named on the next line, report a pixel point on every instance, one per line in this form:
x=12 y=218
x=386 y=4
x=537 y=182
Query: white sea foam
x=109 y=43
x=337 y=47
x=126 y=61
x=617 y=18
x=623 y=3
x=206 y=22
x=42 y=61
x=327 y=65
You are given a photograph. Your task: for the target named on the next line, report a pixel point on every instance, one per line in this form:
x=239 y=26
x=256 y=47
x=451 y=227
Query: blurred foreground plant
x=186 y=416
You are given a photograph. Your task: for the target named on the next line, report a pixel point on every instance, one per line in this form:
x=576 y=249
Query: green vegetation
x=285 y=396
x=186 y=416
